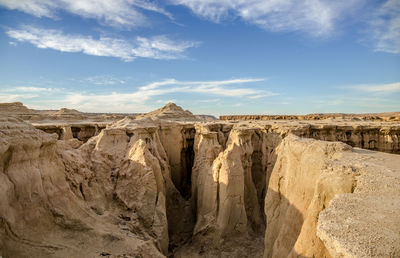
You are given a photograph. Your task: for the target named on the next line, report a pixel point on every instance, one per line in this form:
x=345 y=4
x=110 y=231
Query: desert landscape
x=172 y=184
x=199 y=128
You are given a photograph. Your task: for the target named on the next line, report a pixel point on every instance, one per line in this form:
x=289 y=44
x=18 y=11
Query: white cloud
x=315 y=17
x=15 y=97
x=103 y=80
x=156 y=47
x=385 y=27
x=265 y=94
x=198 y=83
x=117 y=13
x=30 y=89
x=209 y=100
x=136 y=101
x=379 y=88
x=209 y=87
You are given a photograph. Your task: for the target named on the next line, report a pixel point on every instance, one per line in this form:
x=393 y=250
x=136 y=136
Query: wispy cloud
x=103 y=80
x=379 y=88
x=30 y=89
x=266 y=94
x=16 y=97
x=203 y=84
x=315 y=17
x=209 y=87
x=159 y=47
x=385 y=27
x=137 y=100
x=116 y=13
x=209 y=100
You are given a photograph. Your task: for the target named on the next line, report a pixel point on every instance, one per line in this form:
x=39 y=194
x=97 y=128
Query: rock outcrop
x=41 y=215
x=168 y=184
x=14 y=107
x=389 y=116
x=307 y=175
x=385 y=137
x=170 y=111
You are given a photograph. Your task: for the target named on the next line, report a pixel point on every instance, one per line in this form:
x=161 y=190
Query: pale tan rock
x=205 y=181
x=365 y=223
x=14 y=107
x=308 y=174
x=65 y=111
x=40 y=216
x=388 y=116
x=170 y=111
x=137 y=165
x=166 y=183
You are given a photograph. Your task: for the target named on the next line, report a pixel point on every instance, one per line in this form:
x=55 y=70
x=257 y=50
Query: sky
x=209 y=56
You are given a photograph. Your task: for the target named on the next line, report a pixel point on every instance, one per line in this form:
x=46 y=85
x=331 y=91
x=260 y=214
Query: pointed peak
x=170 y=111
x=172 y=106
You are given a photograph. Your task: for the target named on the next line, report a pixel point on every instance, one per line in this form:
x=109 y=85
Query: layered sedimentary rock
x=226 y=193
x=167 y=184
x=296 y=194
x=384 y=137
x=229 y=179
x=388 y=116
x=42 y=215
x=80 y=131
x=365 y=223
x=15 y=107
x=361 y=219
x=170 y=111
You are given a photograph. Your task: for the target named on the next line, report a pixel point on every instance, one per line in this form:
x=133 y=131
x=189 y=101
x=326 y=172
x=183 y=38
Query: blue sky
x=209 y=56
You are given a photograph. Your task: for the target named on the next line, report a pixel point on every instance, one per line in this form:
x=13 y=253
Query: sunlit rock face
x=169 y=184
x=44 y=211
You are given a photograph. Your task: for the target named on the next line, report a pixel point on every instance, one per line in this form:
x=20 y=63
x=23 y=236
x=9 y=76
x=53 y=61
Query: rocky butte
x=170 y=183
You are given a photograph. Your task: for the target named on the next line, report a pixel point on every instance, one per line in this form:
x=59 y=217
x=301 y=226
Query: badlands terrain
x=170 y=183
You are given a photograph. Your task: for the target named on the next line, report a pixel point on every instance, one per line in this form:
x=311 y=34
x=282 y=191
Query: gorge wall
x=184 y=189
x=388 y=116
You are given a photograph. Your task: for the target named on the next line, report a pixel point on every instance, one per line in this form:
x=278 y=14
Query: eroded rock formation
x=41 y=214
x=388 y=116
x=167 y=184
x=308 y=174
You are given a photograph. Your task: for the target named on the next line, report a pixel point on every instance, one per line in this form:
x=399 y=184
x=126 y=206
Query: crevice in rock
x=51 y=130
x=180 y=216
x=81 y=132
x=84 y=133
x=75 y=131
x=258 y=169
x=187 y=161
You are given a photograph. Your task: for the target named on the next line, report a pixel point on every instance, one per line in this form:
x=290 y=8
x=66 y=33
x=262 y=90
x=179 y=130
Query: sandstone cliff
x=14 y=107
x=308 y=174
x=41 y=215
x=165 y=185
x=388 y=116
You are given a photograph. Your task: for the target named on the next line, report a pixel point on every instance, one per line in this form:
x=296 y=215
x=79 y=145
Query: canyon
x=170 y=183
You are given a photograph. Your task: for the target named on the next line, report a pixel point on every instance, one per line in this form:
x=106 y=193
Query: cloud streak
x=379 y=88
x=103 y=80
x=385 y=27
x=136 y=101
x=159 y=47
x=315 y=17
x=30 y=89
x=116 y=13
